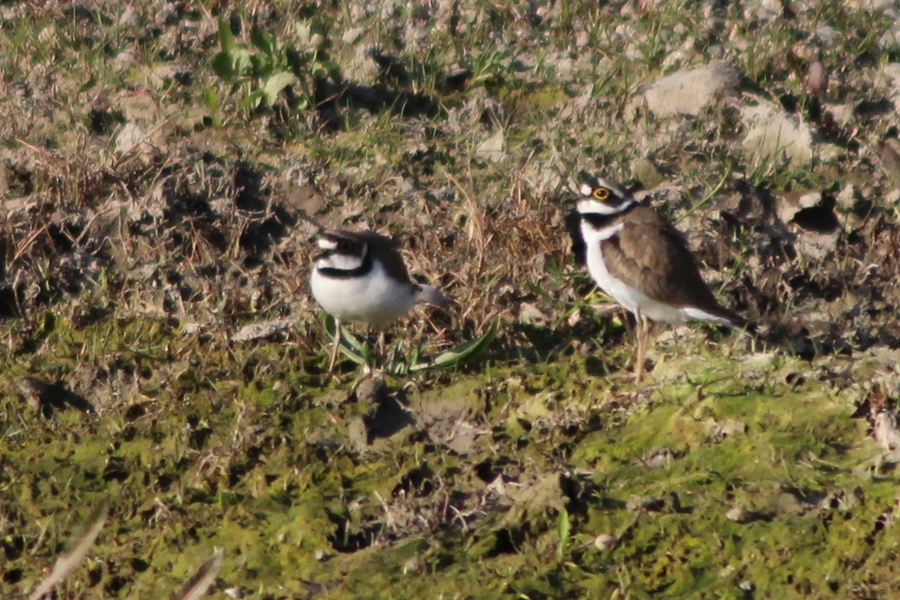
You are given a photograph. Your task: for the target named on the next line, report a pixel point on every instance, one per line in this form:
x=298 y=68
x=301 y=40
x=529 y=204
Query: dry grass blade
x=65 y=564
x=196 y=586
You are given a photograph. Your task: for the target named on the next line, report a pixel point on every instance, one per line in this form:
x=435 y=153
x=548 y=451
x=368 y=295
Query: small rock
x=848 y=199
x=492 y=149
x=885 y=431
x=661 y=457
x=890 y=39
x=891 y=72
x=636 y=503
x=604 y=541
x=138 y=107
x=840 y=500
x=33 y=392
x=738 y=514
x=406 y=187
x=370 y=389
x=582 y=38
x=889 y=153
x=825 y=35
x=763 y=10
x=353 y=35
x=333 y=398
x=816 y=245
x=787 y=503
x=46 y=397
x=135 y=138
x=647 y=173
x=870 y=4
x=530 y=314
x=843 y=114
x=720 y=430
x=358 y=435
x=413 y=564
x=305 y=198
x=124 y=59
x=772 y=134
x=689 y=92
x=790 y=204
x=267 y=329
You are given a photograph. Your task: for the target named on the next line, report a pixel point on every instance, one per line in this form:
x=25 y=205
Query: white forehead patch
x=327 y=243
x=585 y=189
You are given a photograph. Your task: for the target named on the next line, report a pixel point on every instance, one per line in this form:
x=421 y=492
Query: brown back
x=651 y=255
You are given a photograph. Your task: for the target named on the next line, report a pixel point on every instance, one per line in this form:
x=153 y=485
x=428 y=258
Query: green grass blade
x=461 y=353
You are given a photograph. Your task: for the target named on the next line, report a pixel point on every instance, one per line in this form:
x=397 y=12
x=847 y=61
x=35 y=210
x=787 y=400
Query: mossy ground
x=150 y=211
x=763 y=482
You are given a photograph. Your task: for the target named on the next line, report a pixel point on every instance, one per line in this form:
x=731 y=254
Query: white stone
x=772 y=134
x=688 y=92
x=493 y=149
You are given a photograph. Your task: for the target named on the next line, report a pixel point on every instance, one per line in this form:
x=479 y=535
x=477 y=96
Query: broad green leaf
x=350 y=346
x=210 y=100
x=226 y=38
x=263 y=67
x=223 y=66
x=276 y=83
x=240 y=59
x=295 y=60
x=254 y=99
x=462 y=352
x=318 y=28
x=264 y=41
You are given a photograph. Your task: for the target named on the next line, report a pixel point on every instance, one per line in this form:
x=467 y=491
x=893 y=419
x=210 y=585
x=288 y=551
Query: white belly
x=630 y=298
x=374 y=298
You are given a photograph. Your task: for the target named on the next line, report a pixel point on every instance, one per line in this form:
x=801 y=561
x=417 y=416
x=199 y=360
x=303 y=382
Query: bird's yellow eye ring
x=601 y=193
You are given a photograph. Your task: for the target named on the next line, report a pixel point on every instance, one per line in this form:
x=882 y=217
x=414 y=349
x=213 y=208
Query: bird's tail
x=431 y=295
x=730 y=318
x=724 y=316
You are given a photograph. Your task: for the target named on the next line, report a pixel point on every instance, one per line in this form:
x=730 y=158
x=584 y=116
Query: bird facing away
x=360 y=276
x=636 y=256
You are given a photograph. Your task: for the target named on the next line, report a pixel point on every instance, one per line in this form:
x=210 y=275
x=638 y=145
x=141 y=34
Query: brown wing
x=386 y=250
x=649 y=254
